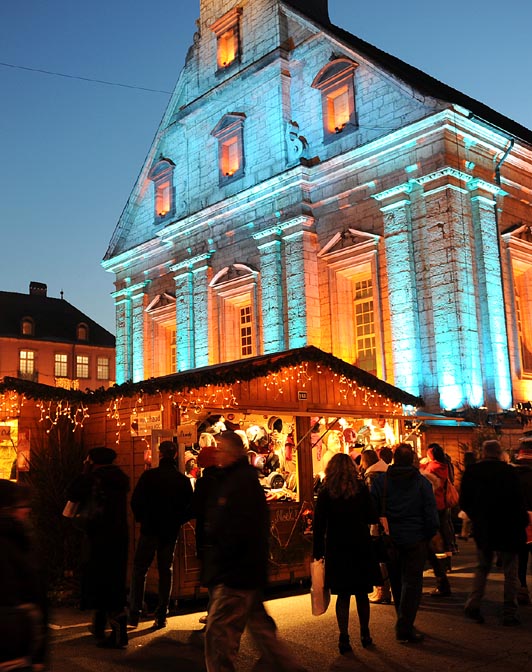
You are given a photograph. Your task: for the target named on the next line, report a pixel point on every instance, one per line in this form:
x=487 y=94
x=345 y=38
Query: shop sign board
x=144 y=422
x=187 y=435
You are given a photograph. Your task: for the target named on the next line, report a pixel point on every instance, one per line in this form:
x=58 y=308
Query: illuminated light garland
x=11 y=404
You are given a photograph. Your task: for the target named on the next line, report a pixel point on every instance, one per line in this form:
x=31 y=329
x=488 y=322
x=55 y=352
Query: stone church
x=306 y=188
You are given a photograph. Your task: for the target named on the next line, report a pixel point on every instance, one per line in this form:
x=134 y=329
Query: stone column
x=130 y=304
x=451 y=276
x=123 y=350
x=302 y=295
x=402 y=292
x=271 y=285
x=491 y=296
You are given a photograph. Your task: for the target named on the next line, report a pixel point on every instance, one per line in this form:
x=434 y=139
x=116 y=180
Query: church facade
x=306 y=188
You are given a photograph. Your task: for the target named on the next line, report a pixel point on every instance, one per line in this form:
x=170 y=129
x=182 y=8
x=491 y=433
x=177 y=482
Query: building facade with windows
x=47 y=340
x=306 y=188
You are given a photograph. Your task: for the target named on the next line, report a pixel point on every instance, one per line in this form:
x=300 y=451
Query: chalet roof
x=418 y=79
x=53 y=320
x=219 y=374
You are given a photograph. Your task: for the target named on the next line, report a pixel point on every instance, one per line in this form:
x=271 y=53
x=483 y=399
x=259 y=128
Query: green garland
x=218 y=374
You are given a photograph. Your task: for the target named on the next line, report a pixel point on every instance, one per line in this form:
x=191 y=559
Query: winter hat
x=102 y=455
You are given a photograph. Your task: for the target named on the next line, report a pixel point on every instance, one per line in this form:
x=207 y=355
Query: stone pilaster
x=130 y=304
x=402 y=292
x=302 y=295
x=272 y=299
x=491 y=294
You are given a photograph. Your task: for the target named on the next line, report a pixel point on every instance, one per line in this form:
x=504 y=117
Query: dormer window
x=162 y=176
x=27 y=326
x=83 y=332
x=230 y=134
x=227 y=32
x=336 y=83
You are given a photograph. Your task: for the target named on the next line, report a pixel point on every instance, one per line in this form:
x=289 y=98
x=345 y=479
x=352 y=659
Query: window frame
x=520 y=249
x=64 y=371
x=24 y=371
x=337 y=75
x=162 y=176
x=228 y=23
x=106 y=366
x=80 y=364
x=230 y=130
x=27 y=322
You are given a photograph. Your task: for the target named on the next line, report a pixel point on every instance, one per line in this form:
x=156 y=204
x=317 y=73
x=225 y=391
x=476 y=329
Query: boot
x=443 y=587
x=118 y=638
x=99 y=623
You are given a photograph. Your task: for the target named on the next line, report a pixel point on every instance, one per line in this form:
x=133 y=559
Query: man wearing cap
x=160 y=503
x=491 y=497
x=524 y=472
x=102 y=494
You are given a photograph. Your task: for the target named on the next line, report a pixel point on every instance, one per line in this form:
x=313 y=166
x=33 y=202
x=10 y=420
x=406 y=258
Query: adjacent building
x=306 y=188
x=47 y=340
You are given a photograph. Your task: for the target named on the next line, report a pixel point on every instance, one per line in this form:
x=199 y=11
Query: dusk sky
x=71 y=149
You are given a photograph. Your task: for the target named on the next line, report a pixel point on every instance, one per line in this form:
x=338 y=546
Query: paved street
x=452 y=644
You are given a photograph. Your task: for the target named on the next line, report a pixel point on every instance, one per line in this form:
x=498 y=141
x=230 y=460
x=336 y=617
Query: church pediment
x=348 y=239
x=161 y=302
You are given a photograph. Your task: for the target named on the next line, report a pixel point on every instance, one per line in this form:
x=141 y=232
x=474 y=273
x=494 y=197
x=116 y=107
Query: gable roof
x=413 y=76
x=53 y=319
x=219 y=374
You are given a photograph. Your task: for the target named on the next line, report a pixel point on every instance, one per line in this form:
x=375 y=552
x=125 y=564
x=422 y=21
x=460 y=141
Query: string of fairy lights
x=193 y=402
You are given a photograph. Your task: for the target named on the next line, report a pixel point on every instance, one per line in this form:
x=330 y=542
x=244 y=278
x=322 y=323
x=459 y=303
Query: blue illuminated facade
x=324 y=193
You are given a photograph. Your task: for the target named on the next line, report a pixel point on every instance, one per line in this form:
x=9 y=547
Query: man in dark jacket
x=160 y=503
x=235 y=558
x=102 y=494
x=524 y=472
x=491 y=497
x=406 y=501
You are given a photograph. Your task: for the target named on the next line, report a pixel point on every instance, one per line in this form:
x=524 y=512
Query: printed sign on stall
x=187 y=435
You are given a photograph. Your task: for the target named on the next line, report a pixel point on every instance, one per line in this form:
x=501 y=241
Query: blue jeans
x=230 y=611
x=147 y=547
x=511 y=583
x=405 y=569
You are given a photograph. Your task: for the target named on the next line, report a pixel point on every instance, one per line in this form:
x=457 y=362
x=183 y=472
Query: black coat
x=341 y=535
x=103 y=515
x=161 y=499
x=22 y=630
x=491 y=495
x=236 y=530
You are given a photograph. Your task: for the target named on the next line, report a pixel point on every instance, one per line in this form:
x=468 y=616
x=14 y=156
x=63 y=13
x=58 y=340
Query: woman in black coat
x=344 y=510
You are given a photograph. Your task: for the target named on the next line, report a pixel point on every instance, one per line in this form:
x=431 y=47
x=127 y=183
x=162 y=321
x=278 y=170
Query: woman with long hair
x=344 y=510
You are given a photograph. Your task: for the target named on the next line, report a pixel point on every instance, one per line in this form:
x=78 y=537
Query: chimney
x=38 y=289
x=314 y=9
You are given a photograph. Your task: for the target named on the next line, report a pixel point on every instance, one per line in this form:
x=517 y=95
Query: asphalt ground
x=452 y=642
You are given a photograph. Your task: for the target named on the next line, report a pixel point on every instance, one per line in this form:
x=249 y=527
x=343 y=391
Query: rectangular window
x=102 y=368
x=61 y=366
x=365 y=346
x=339 y=110
x=246 y=332
x=228 y=47
x=163 y=198
x=27 y=362
x=523 y=304
x=231 y=155
x=82 y=366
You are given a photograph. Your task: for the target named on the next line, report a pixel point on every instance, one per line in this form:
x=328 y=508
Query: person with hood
x=160 y=503
x=371 y=465
x=437 y=466
x=491 y=496
x=23 y=605
x=408 y=512
x=101 y=492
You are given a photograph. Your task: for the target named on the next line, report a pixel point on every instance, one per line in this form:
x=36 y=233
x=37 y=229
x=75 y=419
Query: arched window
x=162 y=176
x=336 y=83
x=227 y=32
x=27 y=327
x=82 y=332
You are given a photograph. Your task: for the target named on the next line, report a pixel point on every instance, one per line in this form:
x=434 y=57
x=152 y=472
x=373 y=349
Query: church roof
x=418 y=79
x=53 y=320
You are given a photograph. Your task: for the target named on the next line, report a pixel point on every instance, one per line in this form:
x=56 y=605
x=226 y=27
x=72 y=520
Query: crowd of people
x=378 y=521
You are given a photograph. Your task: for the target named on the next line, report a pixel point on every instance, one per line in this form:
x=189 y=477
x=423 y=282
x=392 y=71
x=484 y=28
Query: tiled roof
x=53 y=320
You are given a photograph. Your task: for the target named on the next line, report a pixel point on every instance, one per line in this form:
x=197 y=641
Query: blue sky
x=72 y=149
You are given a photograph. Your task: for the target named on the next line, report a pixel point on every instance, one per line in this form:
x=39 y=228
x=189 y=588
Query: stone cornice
x=189 y=263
